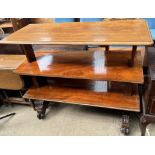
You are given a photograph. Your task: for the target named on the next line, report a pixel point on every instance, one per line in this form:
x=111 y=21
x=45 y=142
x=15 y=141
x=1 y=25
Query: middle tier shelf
x=96 y=65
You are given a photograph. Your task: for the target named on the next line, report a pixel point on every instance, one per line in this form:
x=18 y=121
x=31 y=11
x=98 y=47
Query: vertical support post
x=28 y=50
x=35 y=81
x=77 y=19
x=133 y=54
x=107 y=48
x=140 y=90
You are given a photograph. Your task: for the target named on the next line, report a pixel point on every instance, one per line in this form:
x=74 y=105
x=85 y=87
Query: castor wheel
x=125 y=125
x=41 y=116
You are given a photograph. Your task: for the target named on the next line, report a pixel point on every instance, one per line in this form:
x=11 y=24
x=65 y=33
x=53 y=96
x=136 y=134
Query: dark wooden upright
x=148 y=115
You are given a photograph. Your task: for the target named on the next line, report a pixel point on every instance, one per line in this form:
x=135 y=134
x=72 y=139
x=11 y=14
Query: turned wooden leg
x=143 y=128
x=143 y=125
x=41 y=109
x=146 y=119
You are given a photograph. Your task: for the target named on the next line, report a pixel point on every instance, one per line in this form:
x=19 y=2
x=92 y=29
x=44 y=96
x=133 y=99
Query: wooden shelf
x=96 y=65
x=86 y=92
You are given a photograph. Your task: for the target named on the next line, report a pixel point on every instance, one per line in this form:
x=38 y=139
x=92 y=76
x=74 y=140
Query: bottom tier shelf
x=111 y=95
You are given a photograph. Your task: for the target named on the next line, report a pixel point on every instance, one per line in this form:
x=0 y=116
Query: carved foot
x=125 y=125
x=144 y=121
x=143 y=125
x=41 y=109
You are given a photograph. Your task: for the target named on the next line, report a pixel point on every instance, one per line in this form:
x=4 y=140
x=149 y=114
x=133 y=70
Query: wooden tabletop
x=119 y=32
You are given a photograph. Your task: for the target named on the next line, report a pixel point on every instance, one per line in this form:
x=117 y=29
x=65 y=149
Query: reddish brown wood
x=86 y=92
x=127 y=32
x=97 y=65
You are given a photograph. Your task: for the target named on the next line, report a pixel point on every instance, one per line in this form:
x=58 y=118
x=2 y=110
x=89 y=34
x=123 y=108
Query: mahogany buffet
x=109 y=78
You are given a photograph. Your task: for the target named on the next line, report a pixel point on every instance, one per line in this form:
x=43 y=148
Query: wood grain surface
x=87 y=92
x=11 y=62
x=97 y=65
x=124 y=32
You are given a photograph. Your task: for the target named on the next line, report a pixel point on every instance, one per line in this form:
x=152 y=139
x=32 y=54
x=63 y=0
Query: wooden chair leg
x=143 y=125
x=145 y=119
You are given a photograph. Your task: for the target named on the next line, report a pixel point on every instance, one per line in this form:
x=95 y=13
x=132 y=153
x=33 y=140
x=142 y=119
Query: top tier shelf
x=96 y=65
x=119 y=32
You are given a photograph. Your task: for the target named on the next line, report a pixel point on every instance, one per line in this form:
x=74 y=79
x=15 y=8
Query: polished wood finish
x=130 y=32
x=11 y=62
x=97 y=65
x=87 y=92
x=19 y=23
